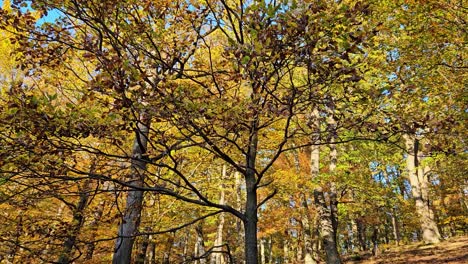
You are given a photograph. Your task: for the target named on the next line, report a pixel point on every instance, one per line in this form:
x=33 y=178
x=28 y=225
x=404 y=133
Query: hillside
x=454 y=251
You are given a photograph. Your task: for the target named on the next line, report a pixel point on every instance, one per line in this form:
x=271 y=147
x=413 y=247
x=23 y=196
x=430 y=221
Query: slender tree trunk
x=151 y=256
x=262 y=251
x=185 y=247
x=269 y=249
x=375 y=249
x=94 y=227
x=131 y=218
x=395 y=227
x=332 y=193
x=299 y=249
x=167 y=253
x=305 y=221
x=419 y=189
x=15 y=248
x=76 y=224
x=361 y=232
x=217 y=257
x=200 y=244
x=286 y=251
x=308 y=249
x=141 y=253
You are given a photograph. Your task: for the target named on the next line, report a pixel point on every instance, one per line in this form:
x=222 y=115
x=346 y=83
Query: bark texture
x=76 y=224
x=417 y=175
x=128 y=228
x=250 y=220
x=327 y=214
x=217 y=257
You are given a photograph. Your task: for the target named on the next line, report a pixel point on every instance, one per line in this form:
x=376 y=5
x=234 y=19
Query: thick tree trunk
x=250 y=220
x=419 y=189
x=131 y=218
x=327 y=214
x=326 y=228
x=76 y=224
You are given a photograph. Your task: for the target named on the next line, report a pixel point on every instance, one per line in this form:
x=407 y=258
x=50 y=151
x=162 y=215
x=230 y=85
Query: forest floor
x=453 y=251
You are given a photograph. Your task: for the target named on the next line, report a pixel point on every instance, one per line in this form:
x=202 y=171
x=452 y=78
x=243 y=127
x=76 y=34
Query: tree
x=161 y=94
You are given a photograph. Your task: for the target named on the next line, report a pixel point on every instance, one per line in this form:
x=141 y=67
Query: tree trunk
x=327 y=220
x=286 y=251
x=217 y=257
x=76 y=224
x=395 y=227
x=308 y=250
x=262 y=251
x=239 y=224
x=151 y=256
x=269 y=249
x=326 y=227
x=94 y=227
x=361 y=232
x=200 y=244
x=141 y=254
x=131 y=218
x=250 y=220
x=419 y=189
x=375 y=242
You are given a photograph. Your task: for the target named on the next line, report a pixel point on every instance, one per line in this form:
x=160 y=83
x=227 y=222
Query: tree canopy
x=229 y=131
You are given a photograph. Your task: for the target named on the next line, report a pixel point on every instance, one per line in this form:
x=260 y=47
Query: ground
x=453 y=251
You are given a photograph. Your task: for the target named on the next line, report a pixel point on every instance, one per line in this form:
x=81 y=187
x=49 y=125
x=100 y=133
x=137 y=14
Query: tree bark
x=250 y=220
x=76 y=224
x=286 y=251
x=200 y=244
x=239 y=224
x=375 y=242
x=308 y=249
x=395 y=227
x=419 y=190
x=326 y=227
x=262 y=251
x=361 y=232
x=141 y=254
x=150 y=257
x=217 y=257
x=131 y=219
x=94 y=227
x=327 y=220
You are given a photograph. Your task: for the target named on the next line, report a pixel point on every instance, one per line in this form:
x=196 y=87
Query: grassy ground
x=453 y=251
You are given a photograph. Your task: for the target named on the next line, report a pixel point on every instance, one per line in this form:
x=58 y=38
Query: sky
x=51 y=16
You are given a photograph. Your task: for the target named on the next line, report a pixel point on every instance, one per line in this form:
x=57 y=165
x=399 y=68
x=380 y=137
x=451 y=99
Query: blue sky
x=51 y=16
